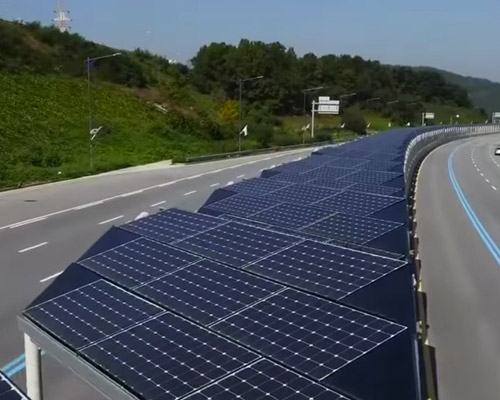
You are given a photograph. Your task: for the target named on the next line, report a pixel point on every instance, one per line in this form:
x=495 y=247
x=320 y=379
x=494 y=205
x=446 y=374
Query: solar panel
x=351 y=228
x=375 y=189
x=291 y=216
x=208 y=291
x=257 y=186
x=357 y=203
x=366 y=249
x=324 y=269
x=381 y=165
x=138 y=262
x=345 y=162
x=237 y=244
x=331 y=183
x=266 y=380
x=372 y=177
x=301 y=194
x=8 y=391
x=91 y=313
x=297 y=167
x=172 y=225
x=329 y=172
x=308 y=334
x=167 y=357
x=242 y=205
x=290 y=177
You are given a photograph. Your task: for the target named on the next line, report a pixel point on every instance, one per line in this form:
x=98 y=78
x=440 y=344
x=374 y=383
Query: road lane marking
x=493 y=187
x=482 y=174
x=158 y=204
x=230 y=183
x=190 y=193
x=95 y=203
x=214 y=184
x=262 y=169
x=240 y=176
x=36 y=246
x=132 y=193
x=487 y=180
x=29 y=221
x=162 y=185
x=195 y=176
x=49 y=278
x=110 y=220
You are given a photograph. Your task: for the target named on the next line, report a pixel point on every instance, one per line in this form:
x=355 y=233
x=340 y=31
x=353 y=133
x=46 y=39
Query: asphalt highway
x=43 y=229
x=458 y=216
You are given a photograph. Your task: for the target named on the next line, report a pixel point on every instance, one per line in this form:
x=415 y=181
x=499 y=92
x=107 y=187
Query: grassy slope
x=43 y=129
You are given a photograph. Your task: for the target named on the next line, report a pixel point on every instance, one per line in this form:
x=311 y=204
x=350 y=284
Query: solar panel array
x=285 y=288
x=9 y=391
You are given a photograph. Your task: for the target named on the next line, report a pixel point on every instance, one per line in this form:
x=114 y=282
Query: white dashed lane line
x=190 y=193
x=36 y=246
x=158 y=204
x=111 y=220
x=50 y=277
x=214 y=185
x=240 y=176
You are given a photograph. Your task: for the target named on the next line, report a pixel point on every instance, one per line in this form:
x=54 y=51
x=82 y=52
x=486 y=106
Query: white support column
x=33 y=369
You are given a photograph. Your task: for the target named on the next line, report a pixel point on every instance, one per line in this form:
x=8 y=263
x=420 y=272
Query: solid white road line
x=132 y=193
x=190 y=193
x=95 y=203
x=51 y=277
x=29 y=221
x=214 y=184
x=158 y=204
x=240 y=176
x=110 y=220
x=162 y=185
x=33 y=247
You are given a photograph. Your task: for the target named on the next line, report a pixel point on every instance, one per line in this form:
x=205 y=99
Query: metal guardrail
x=220 y=156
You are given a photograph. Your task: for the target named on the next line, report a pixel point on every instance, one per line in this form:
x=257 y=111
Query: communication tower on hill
x=62 y=20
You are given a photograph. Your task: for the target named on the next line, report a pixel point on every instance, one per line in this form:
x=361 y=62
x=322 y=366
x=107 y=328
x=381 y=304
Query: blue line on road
x=6 y=368
x=481 y=230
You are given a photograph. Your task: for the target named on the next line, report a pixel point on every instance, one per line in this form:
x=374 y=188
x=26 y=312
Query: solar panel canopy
x=9 y=391
x=286 y=286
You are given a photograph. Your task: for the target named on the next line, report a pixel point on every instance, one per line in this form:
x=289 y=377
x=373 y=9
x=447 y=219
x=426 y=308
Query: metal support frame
x=33 y=369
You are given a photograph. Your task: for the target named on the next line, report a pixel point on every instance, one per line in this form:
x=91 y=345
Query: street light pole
x=345 y=96
x=242 y=81
x=306 y=91
x=88 y=61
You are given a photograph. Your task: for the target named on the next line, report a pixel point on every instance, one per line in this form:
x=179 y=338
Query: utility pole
x=242 y=81
x=89 y=62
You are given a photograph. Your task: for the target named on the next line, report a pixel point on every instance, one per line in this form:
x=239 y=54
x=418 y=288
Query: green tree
x=229 y=112
x=354 y=120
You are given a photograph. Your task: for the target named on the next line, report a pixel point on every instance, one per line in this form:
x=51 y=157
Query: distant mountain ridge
x=483 y=92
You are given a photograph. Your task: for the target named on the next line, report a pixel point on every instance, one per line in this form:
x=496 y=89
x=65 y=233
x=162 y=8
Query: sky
x=457 y=35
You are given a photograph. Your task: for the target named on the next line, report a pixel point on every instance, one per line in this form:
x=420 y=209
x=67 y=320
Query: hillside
x=151 y=110
x=483 y=92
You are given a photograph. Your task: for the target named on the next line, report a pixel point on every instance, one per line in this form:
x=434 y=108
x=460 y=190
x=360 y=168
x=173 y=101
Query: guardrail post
x=33 y=369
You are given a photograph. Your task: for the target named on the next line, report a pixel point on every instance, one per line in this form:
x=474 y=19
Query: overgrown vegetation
x=151 y=110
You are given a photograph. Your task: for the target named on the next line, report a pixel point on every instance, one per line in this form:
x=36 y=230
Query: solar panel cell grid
x=357 y=203
x=208 y=291
x=324 y=269
x=138 y=262
x=172 y=225
x=372 y=177
x=242 y=205
x=290 y=177
x=375 y=189
x=91 y=313
x=331 y=183
x=298 y=167
x=351 y=228
x=329 y=172
x=301 y=194
x=291 y=216
x=266 y=380
x=8 y=391
x=347 y=162
x=237 y=244
x=310 y=335
x=257 y=186
x=167 y=357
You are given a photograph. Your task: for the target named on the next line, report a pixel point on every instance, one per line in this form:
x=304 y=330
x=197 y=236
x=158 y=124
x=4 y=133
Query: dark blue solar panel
x=351 y=228
x=291 y=216
x=138 y=262
x=266 y=380
x=297 y=167
x=172 y=225
x=375 y=189
x=346 y=162
x=237 y=244
x=329 y=172
x=324 y=269
x=257 y=186
x=382 y=165
x=366 y=249
x=242 y=205
x=372 y=177
x=301 y=194
x=91 y=313
x=8 y=391
x=313 y=336
x=331 y=183
x=357 y=203
x=290 y=177
x=208 y=291
x=167 y=357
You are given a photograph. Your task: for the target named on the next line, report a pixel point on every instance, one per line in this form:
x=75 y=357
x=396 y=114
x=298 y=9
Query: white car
x=497 y=151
